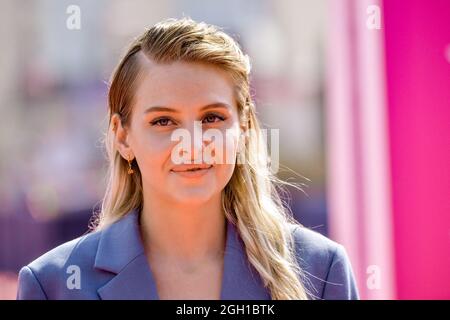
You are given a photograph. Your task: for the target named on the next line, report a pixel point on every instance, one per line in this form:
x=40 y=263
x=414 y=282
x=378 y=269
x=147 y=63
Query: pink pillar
x=359 y=200
x=417 y=35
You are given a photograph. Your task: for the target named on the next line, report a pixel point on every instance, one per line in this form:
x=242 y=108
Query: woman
x=177 y=221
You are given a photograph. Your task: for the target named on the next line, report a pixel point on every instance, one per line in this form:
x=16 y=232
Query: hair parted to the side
x=251 y=200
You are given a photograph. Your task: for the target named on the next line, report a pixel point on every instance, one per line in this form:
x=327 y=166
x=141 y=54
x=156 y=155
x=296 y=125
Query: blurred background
x=359 y=91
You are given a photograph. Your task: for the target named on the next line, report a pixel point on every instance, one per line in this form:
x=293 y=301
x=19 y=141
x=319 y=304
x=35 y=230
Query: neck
x=183 y=232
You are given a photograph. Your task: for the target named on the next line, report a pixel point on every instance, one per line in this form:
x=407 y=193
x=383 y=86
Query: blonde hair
x=250 y=200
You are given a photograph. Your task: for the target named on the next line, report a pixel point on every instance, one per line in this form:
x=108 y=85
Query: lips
x=192 y=172
x=192 y=167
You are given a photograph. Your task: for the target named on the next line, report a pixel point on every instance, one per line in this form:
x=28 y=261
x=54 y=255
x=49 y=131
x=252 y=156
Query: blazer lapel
x=134 y=282
x=240 y=279
x=121 y=252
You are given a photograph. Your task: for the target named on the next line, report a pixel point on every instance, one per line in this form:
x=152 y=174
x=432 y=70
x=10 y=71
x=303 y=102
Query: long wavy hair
x=251 y=200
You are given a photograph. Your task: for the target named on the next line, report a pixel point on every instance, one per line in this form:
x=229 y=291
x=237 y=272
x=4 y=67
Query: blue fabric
x=112 y=265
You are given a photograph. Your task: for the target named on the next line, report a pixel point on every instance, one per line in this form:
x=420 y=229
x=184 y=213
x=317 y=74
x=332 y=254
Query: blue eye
x=211 y=118
x=162 y=122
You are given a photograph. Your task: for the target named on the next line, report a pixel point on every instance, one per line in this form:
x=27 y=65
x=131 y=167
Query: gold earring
x=130 y=170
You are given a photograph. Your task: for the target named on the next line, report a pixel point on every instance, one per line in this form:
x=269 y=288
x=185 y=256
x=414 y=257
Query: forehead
x=182 y=85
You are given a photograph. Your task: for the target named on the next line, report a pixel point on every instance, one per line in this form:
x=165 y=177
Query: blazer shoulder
x=53 y=266
x=77 y=251
x=312 y=246
x=325 y=264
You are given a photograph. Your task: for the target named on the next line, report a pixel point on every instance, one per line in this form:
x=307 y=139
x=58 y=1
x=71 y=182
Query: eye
x=162 y=122
x=211 y=118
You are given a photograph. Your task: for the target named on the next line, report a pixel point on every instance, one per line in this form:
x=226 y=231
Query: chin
x=192 y=195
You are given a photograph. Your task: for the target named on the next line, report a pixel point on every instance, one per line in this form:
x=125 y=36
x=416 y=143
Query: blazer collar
x=121 y=252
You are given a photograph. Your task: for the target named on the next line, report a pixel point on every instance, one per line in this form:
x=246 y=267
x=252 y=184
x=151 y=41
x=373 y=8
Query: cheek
x=226 y=153
x=223 y=149
x=152 y=152
x=224 y=172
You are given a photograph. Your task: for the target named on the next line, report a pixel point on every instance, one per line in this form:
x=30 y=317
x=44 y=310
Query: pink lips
x=192 y=170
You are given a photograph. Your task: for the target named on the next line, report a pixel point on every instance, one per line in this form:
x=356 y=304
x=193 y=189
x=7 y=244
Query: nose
x=191 y=148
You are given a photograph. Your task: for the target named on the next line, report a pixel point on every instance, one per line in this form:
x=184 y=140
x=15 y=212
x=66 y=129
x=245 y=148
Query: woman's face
x=177 y=106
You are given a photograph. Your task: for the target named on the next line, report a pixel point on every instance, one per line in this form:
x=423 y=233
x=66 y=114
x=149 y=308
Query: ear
x=121 y=137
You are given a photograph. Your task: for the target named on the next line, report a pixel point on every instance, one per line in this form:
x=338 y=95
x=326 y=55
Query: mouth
x=192 y=171
x=191 y=168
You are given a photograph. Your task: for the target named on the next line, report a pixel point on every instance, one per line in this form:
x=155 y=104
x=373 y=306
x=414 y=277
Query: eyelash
x=157 y=122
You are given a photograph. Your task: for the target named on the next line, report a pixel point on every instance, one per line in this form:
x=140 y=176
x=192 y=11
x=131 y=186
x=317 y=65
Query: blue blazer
x=111 y=264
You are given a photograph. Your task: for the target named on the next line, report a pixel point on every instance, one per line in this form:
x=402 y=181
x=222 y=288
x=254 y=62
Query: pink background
x=417 y=34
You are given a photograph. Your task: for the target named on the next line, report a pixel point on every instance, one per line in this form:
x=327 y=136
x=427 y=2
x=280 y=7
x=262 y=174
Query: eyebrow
x=214 y=105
